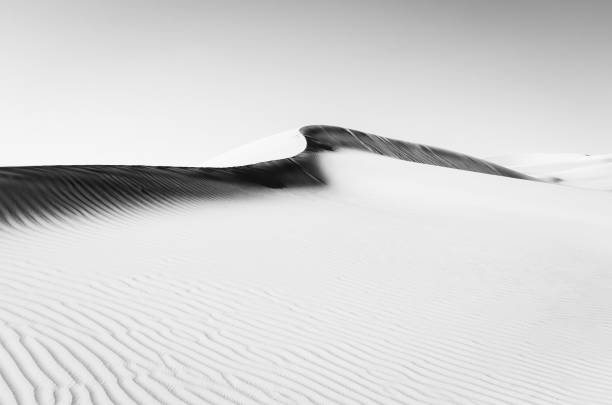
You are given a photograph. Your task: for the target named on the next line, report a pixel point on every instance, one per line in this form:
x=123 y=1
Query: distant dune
x=570 y=169
x=322 y=265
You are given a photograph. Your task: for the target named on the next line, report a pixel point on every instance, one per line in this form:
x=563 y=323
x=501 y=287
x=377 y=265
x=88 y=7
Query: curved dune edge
x=331 y=138
x=31 y=194
x=276 y=147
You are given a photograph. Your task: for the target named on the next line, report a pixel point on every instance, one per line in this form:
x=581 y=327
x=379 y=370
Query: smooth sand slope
x=587 y=171
x=345 y=273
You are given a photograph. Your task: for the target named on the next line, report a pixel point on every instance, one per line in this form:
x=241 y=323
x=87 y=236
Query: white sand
x=279 y=146
x=588 y=171
x=396 y=283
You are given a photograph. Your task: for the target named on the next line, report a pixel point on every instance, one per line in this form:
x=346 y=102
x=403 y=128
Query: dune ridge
x=331 y=138
x=31 y=194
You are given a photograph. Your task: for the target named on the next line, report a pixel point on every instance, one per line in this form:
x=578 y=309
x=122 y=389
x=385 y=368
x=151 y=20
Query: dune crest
x=276 y=147
x=332 y=138
x=31 y=194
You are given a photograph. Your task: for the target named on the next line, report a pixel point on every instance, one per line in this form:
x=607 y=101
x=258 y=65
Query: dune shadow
x=41 y=193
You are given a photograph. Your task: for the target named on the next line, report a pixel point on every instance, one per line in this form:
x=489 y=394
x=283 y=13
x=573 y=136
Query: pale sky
x=179 y=81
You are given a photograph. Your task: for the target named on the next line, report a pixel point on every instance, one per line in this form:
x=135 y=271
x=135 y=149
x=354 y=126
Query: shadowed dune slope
x=332 y=138
x=30 y=194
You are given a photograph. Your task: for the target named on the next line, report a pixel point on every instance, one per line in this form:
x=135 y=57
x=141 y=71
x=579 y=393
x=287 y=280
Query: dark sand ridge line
x=332 y=138
x=30 y=194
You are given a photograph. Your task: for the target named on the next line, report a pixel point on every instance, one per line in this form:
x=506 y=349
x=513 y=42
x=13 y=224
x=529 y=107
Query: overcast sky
x=178 y=81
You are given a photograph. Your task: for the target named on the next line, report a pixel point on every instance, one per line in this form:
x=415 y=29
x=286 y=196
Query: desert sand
x=319 y=266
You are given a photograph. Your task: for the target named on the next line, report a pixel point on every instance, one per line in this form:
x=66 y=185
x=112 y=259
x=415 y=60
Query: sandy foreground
x=336 y=276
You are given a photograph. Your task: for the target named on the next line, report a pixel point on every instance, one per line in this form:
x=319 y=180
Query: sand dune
x=328 y=276
x=35 y=193
x=588 y=171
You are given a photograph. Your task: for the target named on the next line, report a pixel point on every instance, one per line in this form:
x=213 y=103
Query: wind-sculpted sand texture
x=41 y=193
x=328 y=277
